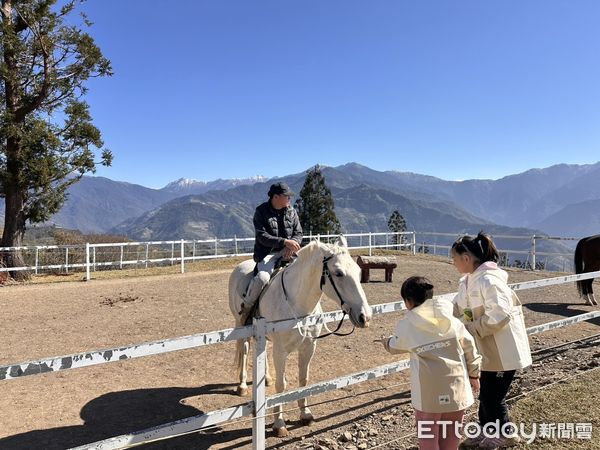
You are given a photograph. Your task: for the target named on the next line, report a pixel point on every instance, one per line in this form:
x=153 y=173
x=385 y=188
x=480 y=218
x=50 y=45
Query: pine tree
x=396 y=224
x=315 y=205
x=47 y=138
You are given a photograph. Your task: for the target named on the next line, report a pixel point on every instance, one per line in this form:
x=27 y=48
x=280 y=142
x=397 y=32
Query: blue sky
x=455 y=89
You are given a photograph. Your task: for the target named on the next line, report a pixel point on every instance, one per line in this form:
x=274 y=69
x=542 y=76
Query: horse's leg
x=242 y=349
x=589 y=299
x=279 y=358
x=269 y=377
x=588 y=292
x=592 y=299
x=305 y=354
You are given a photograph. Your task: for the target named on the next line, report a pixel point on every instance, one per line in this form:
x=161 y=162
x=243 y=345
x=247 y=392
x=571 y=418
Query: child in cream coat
x=492 y=313
x=444 y=363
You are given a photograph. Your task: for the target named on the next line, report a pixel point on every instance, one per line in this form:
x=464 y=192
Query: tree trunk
x=14 y=229
x=14 y=192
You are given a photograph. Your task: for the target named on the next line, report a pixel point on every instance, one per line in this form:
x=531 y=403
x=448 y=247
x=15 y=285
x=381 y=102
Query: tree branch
x=37 y=100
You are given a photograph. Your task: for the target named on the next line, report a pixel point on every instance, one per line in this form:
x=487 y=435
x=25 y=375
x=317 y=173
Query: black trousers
x=492 y=396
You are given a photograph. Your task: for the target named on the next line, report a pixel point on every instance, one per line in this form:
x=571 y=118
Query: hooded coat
x=495 y=318
x=443 y=356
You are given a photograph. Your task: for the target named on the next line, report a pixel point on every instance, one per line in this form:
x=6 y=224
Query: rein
x=326 y=274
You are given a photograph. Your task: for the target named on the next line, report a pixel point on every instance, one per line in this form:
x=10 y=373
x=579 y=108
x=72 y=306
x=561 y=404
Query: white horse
x=293 y=293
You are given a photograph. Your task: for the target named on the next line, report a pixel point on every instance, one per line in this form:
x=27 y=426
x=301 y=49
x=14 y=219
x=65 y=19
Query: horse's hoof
x=281 y=432
x=242 y=391
x=307 y=421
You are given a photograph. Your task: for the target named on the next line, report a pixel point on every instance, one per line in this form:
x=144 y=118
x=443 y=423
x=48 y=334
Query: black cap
x=281 y=189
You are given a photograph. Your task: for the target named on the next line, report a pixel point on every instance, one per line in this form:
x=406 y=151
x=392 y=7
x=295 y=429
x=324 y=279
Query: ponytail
x=482 y=247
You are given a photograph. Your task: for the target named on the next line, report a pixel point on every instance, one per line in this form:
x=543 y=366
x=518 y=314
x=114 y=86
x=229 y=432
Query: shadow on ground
x=119 y=413
x=402 y=398
x=123 y=412
x=563 y=309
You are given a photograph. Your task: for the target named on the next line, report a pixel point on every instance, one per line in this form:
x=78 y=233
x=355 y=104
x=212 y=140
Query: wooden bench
x=366 y=263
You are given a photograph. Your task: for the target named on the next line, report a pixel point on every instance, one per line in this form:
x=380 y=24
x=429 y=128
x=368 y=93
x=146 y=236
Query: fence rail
x=260 y=329
x=89 y=258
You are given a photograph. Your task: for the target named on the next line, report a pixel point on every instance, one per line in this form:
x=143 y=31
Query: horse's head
x=340 y=281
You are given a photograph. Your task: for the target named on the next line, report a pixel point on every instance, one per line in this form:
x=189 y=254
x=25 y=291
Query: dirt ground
x=70 y=408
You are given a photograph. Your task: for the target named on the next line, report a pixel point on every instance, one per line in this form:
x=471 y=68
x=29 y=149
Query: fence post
x=66 y=259
x=87 y=261
x=94 y=258
x=173 y=253
x=235 y=244
x=182 y=256
x=37 y=251
x=532 y=252
x=216 y=246
x=414 y=243
x=194 y=251
x=146 y=259
x=370 y=243
x=121 y=259
x=259 y=384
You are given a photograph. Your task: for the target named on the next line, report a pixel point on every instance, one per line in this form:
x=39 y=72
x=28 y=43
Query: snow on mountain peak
x=190 y=184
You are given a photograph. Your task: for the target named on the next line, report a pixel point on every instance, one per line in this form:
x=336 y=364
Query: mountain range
x=559 y=200
x=538 y=201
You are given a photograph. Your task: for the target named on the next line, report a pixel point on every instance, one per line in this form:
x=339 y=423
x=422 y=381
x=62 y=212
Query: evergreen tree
x=315 y=205
x=396 y=224
x=47 y=138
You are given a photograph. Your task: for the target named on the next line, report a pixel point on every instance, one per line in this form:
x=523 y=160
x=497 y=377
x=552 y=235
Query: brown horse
x=587 y=259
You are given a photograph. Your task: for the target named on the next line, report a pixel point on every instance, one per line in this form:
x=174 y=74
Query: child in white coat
x=492 y=313
x=444 y=363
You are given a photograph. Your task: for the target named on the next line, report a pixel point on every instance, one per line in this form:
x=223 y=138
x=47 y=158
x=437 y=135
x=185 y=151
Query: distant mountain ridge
x=364 y=200
x=363 y=203
x=559 y=200
x=521 y=200
x=96 y=204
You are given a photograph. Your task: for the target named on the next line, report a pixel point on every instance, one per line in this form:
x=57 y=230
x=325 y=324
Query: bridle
x=326 y=274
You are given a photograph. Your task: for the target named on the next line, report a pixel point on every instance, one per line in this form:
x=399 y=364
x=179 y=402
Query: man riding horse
x=278 y=235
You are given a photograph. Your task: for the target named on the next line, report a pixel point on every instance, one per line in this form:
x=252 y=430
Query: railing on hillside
x=534 y=258
x=141 y=255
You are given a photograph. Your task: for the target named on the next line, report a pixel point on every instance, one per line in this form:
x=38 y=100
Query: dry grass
x=572 y=401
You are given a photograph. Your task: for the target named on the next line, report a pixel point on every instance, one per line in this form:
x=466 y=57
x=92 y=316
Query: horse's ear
x=341 y=242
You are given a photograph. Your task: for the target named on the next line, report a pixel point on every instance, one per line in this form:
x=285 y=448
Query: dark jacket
x=268 y=236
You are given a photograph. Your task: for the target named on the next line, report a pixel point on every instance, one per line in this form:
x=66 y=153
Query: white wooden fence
x=119 y=255
x=532 y=254
x=260 y=402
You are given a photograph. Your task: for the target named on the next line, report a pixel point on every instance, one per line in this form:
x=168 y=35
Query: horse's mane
x=332 y=249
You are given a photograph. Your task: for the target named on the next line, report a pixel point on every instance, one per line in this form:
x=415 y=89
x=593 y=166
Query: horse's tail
x=579 y=266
